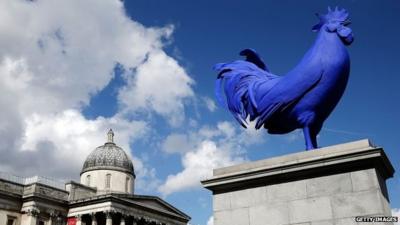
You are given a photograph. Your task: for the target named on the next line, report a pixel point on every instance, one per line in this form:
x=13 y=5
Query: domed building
x=104 y=196
x=109 y=169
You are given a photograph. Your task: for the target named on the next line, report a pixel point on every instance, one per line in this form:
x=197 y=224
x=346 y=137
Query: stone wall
x=335 y=199
x=11 y=187
x=6 y=214
x=29 y=203
x=117 y=182
x=45 y=191
x=79 y=191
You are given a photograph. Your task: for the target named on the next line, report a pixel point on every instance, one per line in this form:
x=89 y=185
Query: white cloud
x=176 y=143
x=159 y=85
x=210 y=104
x=294 y=136
x=61 y=54
x=210 y=221
x=146 y=177
x=396 y=212
x=62 y=141
x=55 y=55
x=227 y=129
x=198 y=165
x=223 y=133
x=206 y=149
x=69 y=51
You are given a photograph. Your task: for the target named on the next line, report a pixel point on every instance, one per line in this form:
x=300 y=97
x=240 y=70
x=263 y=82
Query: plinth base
x=326 y=186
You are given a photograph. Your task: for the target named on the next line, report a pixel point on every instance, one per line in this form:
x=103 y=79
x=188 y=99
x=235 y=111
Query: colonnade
x=114 y=218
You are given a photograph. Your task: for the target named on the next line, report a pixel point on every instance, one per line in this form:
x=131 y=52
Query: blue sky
x=144 y=69
x=215 y=31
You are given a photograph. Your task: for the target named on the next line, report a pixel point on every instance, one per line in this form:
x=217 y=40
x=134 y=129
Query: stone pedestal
x=326 y=186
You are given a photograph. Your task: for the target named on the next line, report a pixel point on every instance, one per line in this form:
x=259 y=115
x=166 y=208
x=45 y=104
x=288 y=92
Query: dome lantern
x=110 y=136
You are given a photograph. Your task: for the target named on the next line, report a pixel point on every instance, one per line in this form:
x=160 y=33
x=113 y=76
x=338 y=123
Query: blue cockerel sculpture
x=304 y=97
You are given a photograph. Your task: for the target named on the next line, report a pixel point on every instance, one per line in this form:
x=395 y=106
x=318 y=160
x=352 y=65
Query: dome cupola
x=108 y=168
x=108 y=156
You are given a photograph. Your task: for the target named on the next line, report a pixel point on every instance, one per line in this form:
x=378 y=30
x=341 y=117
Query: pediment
x=158 y=204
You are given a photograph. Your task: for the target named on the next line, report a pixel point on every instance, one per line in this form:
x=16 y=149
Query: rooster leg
x=314 y=140
x=311 y=140
x=314 y=130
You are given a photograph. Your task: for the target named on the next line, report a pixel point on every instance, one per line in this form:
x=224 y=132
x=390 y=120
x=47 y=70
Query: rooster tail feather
x=263 y=118
x=238 y=81
x=242 y=122
x=253 y=57
x=251 y=94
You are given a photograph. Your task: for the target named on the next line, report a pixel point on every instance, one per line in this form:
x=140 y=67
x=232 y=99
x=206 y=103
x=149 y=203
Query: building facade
x=104 y=196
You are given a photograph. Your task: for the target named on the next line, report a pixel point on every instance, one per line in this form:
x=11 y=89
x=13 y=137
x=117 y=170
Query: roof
x=31 y=180
x=108 y=156
x=144 y=202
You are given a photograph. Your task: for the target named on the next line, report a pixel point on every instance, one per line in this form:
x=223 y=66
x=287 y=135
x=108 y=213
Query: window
x=11 y=220
x=127 y=184
x=88 y=180
x=108 y=180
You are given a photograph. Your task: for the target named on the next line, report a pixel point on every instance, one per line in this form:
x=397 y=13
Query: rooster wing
x=288 y=91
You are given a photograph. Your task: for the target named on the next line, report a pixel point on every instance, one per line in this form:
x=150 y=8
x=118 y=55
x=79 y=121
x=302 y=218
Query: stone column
x=51 y=221
x=108 y=218
x=147 y=221
x=122 y=220
x=30 y=217
x=52 y=218
x=94 y=221
x=60 y=220
x=78 y=219
x=135 y=220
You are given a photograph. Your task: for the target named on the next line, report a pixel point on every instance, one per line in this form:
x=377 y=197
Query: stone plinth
x=326 y=186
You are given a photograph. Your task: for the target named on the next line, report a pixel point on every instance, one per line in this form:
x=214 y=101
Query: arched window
x=127 y=184
x=108 y=180
x=88 y=180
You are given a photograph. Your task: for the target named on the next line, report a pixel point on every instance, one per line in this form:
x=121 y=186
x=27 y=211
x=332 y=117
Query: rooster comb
x=336 y=15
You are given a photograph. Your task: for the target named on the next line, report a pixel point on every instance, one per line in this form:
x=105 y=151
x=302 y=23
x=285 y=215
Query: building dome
x=108 y=157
